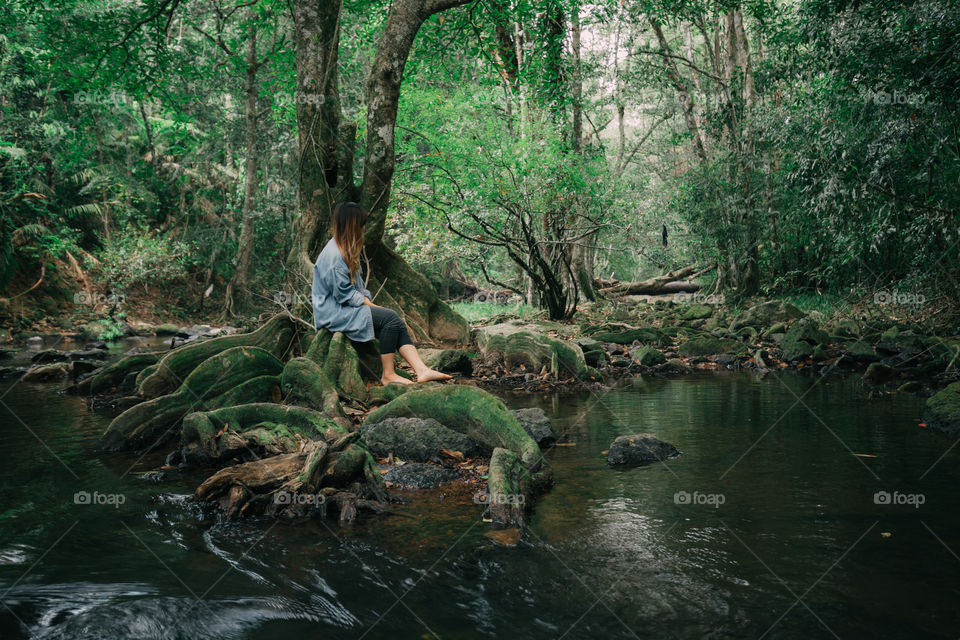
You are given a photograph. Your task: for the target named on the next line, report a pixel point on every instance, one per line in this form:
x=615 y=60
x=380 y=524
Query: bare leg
x=424 y=373
x=389 y=375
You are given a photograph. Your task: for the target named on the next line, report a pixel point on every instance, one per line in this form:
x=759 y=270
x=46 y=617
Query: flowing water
x=767 y=526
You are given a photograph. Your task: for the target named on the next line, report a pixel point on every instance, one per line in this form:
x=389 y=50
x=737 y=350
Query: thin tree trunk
x=577 y=84
x=683 y=90
x=237 y=296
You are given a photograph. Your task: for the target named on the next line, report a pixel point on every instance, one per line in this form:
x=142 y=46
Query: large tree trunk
x=326 y=155
x=399 y=286
x=320 y=182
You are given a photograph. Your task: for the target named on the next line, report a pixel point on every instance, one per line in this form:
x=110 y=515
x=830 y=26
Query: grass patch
x=829 y=304
x=479 y=311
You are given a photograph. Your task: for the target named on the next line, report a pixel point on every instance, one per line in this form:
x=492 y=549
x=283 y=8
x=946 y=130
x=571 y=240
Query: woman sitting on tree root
x=342 y=303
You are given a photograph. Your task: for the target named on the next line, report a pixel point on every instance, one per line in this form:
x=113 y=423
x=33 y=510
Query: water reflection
x=610 y=553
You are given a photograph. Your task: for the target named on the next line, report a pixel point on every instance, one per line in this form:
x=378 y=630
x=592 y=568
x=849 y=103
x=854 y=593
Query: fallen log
x=651 y=286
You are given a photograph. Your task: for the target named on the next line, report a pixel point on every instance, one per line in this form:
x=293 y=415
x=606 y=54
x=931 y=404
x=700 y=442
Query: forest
x=186 y=155
x=479 y=319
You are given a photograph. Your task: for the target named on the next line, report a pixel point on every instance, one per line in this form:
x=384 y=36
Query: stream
x=766 y=526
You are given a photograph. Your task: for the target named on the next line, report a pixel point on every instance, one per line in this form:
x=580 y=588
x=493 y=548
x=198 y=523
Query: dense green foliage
x=540 y=144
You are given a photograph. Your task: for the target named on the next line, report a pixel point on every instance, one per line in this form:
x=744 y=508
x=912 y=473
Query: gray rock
x=417 y=475
x=766 y=314
x=648 y=356
x=88 y=354
x=878 y=373
x=47 y=372
x=639 y=448
x=536 y=423
x=416 y=439
x=49 y=355
x=800 y=340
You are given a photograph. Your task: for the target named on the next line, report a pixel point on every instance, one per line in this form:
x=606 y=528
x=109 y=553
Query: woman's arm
x=344 y=291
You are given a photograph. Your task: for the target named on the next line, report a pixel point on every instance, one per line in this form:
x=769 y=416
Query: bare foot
x=431 y=374
x=394 y=379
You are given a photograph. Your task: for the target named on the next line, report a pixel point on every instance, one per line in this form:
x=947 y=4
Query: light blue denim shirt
x=338 y=303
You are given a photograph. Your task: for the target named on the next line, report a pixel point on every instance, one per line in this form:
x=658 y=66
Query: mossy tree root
x=237 y=374
x=248 y=430
x=277 y=336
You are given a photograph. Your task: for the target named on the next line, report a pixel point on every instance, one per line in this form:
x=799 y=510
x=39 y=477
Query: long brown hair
x=348 y=221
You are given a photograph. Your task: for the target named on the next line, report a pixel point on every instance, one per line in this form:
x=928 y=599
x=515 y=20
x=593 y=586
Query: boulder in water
x=638 y=449
x=536 y=423
x=943 y=410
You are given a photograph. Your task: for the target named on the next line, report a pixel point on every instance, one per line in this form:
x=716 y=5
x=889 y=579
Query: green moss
x=943 y=410
x=469 y=410
x=148 y=423
x=305 y=383
x=708 y=345
x=508 y=487
x=112 y=375
x=649 y=357
x=275 y=337
x=515 y=347
x=647 y=335
x=214 y=436
x=800 y=340
x=696 y=312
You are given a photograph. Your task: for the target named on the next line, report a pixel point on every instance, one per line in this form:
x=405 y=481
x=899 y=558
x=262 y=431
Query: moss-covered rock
x=766 y=314
x=696 y=312
x=646 y=335
x=469 y=410
x=166 y=329
x=708 y=345
x=514 y=346
x=639 y=448
x=47 y=372
x=648 y=356
x=800 y=340
x=943 y=410
x=844 y=328
x=878 y=373
x=861 y=351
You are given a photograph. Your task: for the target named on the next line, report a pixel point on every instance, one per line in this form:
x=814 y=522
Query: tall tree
x=326 y=156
